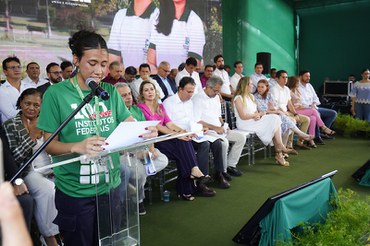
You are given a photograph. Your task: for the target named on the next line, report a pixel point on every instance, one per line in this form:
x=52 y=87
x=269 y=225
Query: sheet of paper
x=127 y=133
x=208 y=138
x=215 y=133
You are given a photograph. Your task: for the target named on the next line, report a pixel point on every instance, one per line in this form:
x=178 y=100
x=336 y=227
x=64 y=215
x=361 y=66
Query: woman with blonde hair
x=266 y=126
x=190 y=178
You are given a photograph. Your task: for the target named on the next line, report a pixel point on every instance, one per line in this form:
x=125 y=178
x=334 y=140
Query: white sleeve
x=178 y=78
x=114 y=41
x=315 y=97
x=196 y=35
x=158 y=88
x=167 y=106
x=7 y=110
x=197 y=109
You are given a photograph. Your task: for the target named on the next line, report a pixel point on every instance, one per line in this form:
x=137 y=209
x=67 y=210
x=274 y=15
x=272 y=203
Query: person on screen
x=79 y=185
x=177 y=35
x=129 y=36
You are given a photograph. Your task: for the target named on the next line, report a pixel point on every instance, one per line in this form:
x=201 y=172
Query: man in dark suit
x=168 y=86
x=54 y=73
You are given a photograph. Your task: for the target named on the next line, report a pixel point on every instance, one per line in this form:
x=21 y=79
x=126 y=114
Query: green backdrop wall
x=334 y=41
x=256 y=26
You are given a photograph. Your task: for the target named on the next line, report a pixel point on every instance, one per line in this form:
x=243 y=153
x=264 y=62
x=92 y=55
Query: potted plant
x=349 y=126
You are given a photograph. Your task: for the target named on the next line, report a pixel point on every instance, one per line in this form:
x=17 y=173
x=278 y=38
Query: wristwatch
x=18 y=181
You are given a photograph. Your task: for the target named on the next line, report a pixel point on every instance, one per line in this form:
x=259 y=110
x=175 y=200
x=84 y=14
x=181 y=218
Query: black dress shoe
x=227 y=176
x=234 y=172
x=319 y=141
x=220 y=180
x=204 y=190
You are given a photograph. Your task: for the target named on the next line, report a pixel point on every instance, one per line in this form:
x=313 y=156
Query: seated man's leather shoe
x=227 y=176
x=234 y=172
x=204 y=190
x=221 y=181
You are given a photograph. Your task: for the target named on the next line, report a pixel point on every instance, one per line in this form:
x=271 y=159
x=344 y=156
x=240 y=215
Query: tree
x=99 y=8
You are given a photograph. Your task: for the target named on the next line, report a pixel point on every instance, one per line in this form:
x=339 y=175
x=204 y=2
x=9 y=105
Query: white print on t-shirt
x=85 y=123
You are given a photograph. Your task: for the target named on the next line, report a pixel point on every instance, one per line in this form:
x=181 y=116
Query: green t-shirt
x=137 y=113
x=77 y=179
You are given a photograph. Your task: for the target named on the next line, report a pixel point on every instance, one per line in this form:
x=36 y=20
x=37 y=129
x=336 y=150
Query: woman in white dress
x=266 y=126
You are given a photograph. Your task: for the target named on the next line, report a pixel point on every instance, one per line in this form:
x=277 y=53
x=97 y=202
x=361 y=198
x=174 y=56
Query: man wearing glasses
x=33 y=79
x=168 y=88
x=54 y=73
x=11 y=89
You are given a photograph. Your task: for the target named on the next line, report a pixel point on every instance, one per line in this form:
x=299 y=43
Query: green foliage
x=349 y=125
x=42 y=13
x=347 y=225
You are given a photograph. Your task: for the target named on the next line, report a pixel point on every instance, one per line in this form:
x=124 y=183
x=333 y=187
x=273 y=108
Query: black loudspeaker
x=265 y=59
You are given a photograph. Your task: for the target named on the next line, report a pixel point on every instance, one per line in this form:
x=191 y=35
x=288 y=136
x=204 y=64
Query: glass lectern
x=117 y=211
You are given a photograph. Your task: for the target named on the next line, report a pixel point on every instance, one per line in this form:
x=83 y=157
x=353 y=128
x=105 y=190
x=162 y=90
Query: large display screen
x=137 y=31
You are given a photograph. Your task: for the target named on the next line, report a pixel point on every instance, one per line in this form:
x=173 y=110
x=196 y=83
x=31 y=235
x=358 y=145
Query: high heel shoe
x=312 y=144
x=279 y=158
x=327 y=130
x=187 y=197
x=290 y=151
x=203 y=179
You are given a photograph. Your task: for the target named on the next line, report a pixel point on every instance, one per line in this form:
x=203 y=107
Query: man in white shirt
x=207 y=111
x=281 y=95
x=189 y=71
x=234 y=80
x=272 y=80
x=11 y=89
x=227 y=91
x=144 y=72
x=33 y=79
x=180 y=110
x=257 y=75
x=311 y=100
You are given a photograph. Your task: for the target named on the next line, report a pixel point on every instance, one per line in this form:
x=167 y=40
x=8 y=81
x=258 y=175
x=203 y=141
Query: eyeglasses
x=14 y=67
x=167 y=71
x=57 y=72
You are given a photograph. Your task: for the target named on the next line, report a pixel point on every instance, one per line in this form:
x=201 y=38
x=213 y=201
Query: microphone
x=97 y=89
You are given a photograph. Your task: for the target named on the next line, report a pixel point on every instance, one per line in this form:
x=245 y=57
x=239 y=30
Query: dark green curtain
x=255 y=26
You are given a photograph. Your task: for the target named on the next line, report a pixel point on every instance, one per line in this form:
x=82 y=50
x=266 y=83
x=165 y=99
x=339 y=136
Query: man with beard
x=54 y=73
x=226 y=90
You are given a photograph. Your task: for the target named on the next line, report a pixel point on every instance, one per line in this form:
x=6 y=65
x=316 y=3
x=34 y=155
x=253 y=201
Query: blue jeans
x=362 y=111
x=328 y=116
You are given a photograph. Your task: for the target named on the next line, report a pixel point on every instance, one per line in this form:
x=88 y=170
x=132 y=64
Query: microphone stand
x=85 y=101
